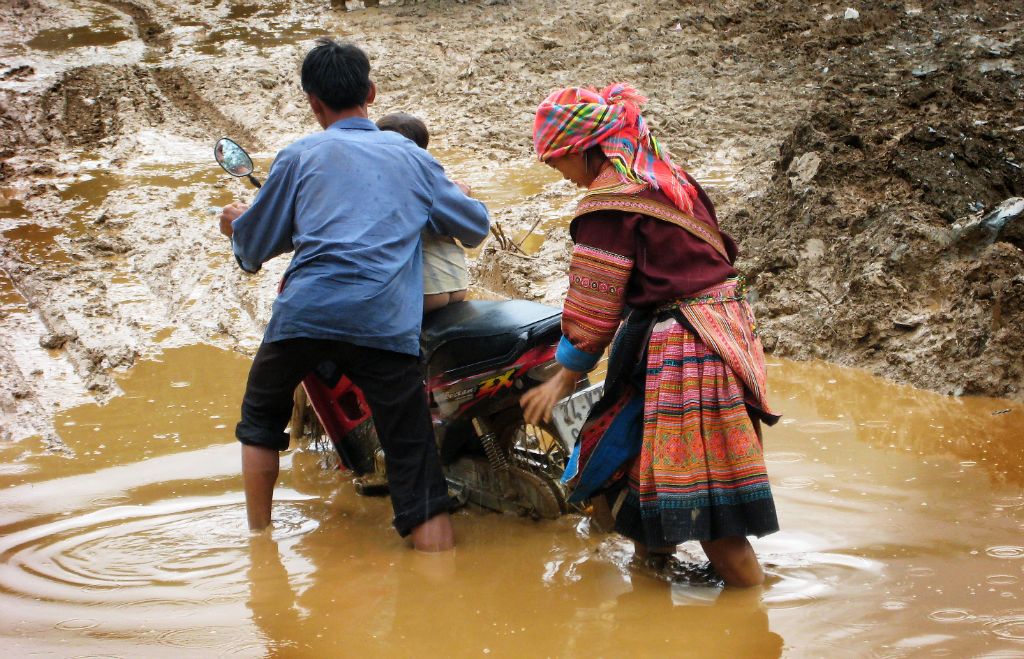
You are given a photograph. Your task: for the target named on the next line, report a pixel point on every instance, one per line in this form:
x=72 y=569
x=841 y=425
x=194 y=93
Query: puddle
x=86 y=191
x=265 y=26
x=12 y=209
x=499 y=185
x=82 y=36
x=10 y=298
x=36 y=244
x=137 y=544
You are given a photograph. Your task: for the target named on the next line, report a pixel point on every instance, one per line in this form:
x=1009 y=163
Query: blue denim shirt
x=351 y=202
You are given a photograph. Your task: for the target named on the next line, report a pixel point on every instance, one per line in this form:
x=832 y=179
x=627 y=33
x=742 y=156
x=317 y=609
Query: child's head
x=407 y=125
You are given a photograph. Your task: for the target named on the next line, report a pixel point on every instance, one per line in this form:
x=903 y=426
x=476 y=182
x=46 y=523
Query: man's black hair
x=336 y=73
x=408 y=125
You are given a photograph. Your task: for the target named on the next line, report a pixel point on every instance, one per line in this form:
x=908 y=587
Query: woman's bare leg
x=735 y=561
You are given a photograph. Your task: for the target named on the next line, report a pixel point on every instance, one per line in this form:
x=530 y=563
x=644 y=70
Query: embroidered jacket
x=637 y=250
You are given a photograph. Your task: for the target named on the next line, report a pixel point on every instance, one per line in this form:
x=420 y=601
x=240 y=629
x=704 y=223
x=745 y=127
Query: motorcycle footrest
x=371 y=486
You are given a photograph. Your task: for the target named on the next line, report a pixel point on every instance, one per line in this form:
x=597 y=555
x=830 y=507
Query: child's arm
x=454 y=214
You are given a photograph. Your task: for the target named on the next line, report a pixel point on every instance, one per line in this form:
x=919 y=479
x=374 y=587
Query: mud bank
x=863 y=154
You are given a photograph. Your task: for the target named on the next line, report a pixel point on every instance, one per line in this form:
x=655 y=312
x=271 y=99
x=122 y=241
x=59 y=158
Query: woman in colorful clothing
x=674 y=445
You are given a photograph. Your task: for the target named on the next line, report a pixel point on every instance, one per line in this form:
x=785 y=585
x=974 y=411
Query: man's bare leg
x=735 y=561
x=434 y=535
x=260 y=467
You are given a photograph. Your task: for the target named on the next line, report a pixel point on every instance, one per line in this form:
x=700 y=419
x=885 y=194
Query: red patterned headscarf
x=574 y=119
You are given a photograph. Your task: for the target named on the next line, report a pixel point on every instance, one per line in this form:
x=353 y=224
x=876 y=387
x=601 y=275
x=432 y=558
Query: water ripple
x=1010 y=626
x=76 y=624
x=1005 y=551
x=822 y=427
x=1008 y=501
x=223 y=638
x=139 y=555
x=1001 y=579
x=801 y=580
x=784 y=456
x=795 y=482
x=950 y=615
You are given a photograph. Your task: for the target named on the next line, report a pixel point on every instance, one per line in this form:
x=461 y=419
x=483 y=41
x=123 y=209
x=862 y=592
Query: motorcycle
x=479 y=356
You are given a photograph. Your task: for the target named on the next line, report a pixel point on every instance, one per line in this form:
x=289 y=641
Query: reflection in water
x=977 y=431
x=467 y=603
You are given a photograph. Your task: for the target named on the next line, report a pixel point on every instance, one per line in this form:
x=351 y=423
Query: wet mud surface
x=853 y=159
x=864 y=165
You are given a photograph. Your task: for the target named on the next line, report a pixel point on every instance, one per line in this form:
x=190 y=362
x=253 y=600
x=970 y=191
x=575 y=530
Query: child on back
x=444 y=263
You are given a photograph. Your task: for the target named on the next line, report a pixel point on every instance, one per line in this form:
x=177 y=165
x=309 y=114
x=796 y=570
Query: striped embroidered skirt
x=700 y=472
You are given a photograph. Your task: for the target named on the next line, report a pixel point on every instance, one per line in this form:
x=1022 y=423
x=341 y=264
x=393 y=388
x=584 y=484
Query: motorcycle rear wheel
x=536 y=451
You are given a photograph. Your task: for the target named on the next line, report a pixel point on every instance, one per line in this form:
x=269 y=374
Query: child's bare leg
x=457 y=296
x=435 y=301
x=735 y=561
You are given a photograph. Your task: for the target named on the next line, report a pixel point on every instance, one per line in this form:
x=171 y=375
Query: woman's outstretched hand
x=538 y=402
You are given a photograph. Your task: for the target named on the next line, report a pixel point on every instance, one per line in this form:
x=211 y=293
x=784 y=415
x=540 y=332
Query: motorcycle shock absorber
x=495 y=456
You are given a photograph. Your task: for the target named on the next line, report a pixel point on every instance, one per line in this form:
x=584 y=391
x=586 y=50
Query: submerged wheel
x=539 y=460
x=538 y=496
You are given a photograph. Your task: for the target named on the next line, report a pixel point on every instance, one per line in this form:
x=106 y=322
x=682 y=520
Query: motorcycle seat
x=476 y=333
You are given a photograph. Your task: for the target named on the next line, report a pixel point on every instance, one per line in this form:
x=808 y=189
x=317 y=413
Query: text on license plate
x=570 y=413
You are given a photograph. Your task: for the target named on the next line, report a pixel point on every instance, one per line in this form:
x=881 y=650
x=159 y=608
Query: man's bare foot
x=434 y=535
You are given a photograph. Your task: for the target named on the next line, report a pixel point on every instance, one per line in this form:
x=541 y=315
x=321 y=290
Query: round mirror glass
x=232 y=157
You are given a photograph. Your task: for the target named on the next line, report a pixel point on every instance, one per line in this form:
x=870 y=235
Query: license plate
x=569 y=413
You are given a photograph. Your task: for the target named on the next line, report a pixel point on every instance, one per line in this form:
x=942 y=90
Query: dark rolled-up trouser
x=393 y=386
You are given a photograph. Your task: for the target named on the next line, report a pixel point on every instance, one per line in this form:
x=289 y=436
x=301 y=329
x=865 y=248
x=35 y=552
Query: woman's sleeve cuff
x=575 y=359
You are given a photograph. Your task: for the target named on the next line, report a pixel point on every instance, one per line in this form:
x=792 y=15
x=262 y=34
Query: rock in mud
x=55 y=340
x=803 y=169
x=1002 y=223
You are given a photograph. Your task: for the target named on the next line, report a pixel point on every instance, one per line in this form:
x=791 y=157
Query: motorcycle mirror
x=234 y=159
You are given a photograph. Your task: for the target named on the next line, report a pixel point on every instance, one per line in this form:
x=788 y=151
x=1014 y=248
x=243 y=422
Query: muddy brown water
x=902 y=515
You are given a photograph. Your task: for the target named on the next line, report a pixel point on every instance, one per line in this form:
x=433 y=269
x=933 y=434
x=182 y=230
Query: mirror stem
x=255 y=181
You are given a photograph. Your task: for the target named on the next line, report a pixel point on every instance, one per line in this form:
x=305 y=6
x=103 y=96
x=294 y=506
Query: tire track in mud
x=21 y=412
x=179 y=90
x=87 y=107
x=174 y=84
x=177 y=87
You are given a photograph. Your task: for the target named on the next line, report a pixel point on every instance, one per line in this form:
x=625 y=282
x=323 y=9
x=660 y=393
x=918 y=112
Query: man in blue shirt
x=351 y=202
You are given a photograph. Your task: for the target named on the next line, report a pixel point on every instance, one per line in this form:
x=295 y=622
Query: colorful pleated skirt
x=700 y=471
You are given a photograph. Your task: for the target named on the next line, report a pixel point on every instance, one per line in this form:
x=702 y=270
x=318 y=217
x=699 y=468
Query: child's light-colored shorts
x=444 y=265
